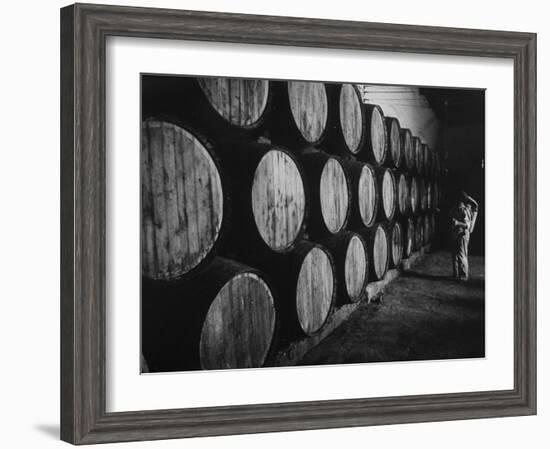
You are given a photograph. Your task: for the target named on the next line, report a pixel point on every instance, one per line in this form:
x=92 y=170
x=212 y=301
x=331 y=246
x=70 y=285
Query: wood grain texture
x=377 y=136
x=223 y=317
x=239 y=101
x=427 y=232
x=388 y=193
x=414 y=195
x=349 y=251
x=333 y=193
x=239 y=326
x=408 y=148
x=364 y=193
x=83 y=385
x=422 y=194
x=278 y=200
x=396 y=240
x=380 y=251
x=410 y=238
x=418 y=155
x=419 y=233
x=314 y=290
x=403 y=199
x=182 y=201
x=427 y=159
x=355 y=268
x=309 y=107
x=367 y=195
x=394 y=141
x=352 y=120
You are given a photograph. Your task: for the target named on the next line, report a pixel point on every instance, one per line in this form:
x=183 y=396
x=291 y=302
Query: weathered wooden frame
x=83 y=33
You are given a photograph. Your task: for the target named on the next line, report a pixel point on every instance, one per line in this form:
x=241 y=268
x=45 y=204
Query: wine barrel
x=429 y=195
x=395 y=153
x=268 y=198
x=419 y=233
x=403 y=195
x=408 y=148
x=388 y=194
x=410 y=239
x=378 y=247
x=300 y=113
x=427 y=236
x=396 y=244
x=223 y=318
x=363 y=126
x=306 y=280
x=427 y=158
x=422 y=194
x=180 y=221
x=221 y=108
x=433 y=227
x=414 y=195
x=350 y=254
x=418 y=155
x=364 y=193
x=330 y=193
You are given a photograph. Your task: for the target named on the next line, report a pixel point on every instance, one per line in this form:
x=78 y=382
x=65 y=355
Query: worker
x=463 y=218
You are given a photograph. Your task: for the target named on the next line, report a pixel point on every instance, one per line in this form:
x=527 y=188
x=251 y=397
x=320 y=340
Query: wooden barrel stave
x=408 y=149
x=396 y=243
x=422 y=194
x=180 y=224
x=414 y=195
x=330 y=193
x=301 y=114
x=307 y=286
x=378 y=251
x=410 y=239
x=403 y=195
x=222 y=108
x=362 y=126
x=427 y=159
x=364 y=193
x=223 y=318
x=418 y=156
x=269 y=198
x=387 y=189
x=352 y=267
x=419 y=233
x=395 y=150
x=427 y=236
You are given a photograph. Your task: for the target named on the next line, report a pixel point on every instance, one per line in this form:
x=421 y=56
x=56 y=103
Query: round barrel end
x=355 y=268
x=278 y=200
x=241 y=102
x=239 y=326
x=180 y=223
x=315 y=290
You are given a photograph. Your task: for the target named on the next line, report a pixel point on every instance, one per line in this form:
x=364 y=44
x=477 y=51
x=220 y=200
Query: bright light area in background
x=127 y=390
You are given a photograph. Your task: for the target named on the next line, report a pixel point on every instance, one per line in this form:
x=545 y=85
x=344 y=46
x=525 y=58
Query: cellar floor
x=423 y=315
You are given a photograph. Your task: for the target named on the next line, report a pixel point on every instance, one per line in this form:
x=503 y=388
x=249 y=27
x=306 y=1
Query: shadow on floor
x=424 y=315
x=433 y=277
x=50 y=430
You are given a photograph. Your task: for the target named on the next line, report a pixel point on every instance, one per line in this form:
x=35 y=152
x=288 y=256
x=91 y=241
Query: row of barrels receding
x=294 y=114
x=259 y=216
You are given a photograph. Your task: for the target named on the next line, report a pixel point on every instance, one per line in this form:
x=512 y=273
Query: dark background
x=462 y=115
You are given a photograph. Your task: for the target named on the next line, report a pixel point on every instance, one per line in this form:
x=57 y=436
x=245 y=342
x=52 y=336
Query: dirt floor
x=422 y=315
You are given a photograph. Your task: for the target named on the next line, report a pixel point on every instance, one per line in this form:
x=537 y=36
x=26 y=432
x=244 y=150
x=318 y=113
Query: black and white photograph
x=299 y=223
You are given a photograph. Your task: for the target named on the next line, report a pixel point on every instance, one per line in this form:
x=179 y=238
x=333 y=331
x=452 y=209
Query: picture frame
x=84 y=28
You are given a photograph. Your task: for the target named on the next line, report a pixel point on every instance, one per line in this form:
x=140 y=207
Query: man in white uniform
x=463 y=217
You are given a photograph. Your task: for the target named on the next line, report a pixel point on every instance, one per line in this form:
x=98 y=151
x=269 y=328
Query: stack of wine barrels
x=265 y=206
